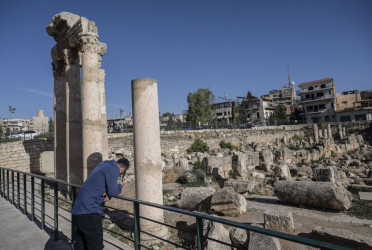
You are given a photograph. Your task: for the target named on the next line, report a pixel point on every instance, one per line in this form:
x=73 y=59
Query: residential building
x=318 y=100
x=286 y=95
x=350 y=107
x=258 y=110
x=225 y=112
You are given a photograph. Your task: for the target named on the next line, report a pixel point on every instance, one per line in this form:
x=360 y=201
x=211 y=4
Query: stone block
x=342 y=237
x=196 y=198
x=281 y=221
x=227 y=202
x=331 y=195
x=324 y=174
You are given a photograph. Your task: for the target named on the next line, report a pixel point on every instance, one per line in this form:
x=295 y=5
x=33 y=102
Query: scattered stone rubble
x=315 y=168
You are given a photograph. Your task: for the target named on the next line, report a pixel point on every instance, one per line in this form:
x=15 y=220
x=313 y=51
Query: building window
x=322 y=86
x=331 y=104
x=309 y=108
x=361 y=117
x=345 y=118
x=258 y=114
x=310 y=88
x=326 y=118
x=320 y=94
x=322 y=106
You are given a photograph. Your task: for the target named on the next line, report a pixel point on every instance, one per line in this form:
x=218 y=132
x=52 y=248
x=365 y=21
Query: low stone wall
x=25 y=155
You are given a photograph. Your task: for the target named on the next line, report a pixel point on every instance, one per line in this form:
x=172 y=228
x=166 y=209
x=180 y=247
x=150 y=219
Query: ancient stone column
x=59 y=118
x=315 y=132
x=103 y=114
x=329 y=131
x=147 y=154
x=325 y=133
x=91 y=52
x=343 y=132
x=339 y=128
x=73 y=117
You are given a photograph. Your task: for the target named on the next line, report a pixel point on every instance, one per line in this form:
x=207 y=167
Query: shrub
x=197 y=165
x=293 y=147
x=228 y=145
x=297 y=137
x=320 y=125
x=198 y=146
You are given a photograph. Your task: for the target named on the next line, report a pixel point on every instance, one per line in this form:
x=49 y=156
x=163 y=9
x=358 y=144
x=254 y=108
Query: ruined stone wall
x=24 y=155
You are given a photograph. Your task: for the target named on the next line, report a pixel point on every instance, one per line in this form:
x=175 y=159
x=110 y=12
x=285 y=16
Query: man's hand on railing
x=107 y=198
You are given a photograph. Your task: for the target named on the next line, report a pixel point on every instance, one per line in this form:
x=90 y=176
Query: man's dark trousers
x=89 y=232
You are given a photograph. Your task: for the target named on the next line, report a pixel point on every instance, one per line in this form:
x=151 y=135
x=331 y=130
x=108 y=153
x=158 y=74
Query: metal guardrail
x=7 y=181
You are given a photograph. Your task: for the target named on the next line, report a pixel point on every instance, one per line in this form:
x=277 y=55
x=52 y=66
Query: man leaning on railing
x=87 y=213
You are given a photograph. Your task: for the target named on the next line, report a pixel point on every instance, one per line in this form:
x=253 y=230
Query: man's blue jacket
x=103 y=179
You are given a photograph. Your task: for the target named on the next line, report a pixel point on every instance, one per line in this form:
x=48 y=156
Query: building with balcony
x=318 y=100
x=350 y=107
x=286 y=95
x=258 y=110
x=225 y=112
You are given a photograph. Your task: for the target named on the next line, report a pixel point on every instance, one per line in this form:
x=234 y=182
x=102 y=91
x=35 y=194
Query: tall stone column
x=339 y=127
x=103 y=114
x=59 y=117
x=343 y=132
x=73 y=117
x=329 y=131
x=91 y=52
x=147 y=154
x=315 y=133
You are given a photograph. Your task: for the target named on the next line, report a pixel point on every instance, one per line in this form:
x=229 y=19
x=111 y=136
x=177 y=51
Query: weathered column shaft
x=73 y=118
x=147 y=153
x=339 y=127
x=315 y=133
x=59 y=120
x=329 y=131
x=103 y=114
x=91 y=111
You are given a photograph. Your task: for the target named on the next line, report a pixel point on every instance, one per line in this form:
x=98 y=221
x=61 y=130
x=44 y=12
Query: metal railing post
x=1 y=182
x=12 y=187
x=7 y=184
x=42 y=205
x=73 y=229
x=24 y=194
x=137 y=239
x=199 y=233
x=55 y=211
x=18 y=192
x=32 y=198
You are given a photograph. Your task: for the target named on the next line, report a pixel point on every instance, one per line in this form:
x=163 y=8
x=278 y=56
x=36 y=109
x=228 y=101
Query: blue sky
x=231 y=45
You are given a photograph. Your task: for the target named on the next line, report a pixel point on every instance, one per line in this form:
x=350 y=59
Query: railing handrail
x=197 y=215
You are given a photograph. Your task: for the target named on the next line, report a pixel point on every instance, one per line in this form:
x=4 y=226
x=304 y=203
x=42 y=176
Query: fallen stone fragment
x=227 y=202
x=318 y=194
x=342 y=237
x=239 y=237
x=196 y=198
x=262 y=242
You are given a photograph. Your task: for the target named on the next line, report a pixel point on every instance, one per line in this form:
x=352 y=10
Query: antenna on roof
x=289 y=77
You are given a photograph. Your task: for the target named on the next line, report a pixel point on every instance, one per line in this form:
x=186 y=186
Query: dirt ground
x=305 y=218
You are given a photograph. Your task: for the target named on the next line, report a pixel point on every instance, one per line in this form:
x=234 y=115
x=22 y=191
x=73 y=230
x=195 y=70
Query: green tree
x=201 y=109
x=279 y=116
x=250 y=96
x=242 y=115
x=51 y=127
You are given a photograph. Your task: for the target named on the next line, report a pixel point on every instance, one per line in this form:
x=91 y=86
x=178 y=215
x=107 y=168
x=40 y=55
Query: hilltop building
x=318 y=100
x=258 y=110
x=350 y=107
x=225 y=112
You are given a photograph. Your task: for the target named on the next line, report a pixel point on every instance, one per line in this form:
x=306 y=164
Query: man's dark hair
x=123 y=163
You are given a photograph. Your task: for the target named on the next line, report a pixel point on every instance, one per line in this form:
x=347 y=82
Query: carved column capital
x=90 y=43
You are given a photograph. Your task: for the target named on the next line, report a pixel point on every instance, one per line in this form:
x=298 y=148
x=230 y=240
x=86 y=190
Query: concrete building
x=40 y=122
x=286 y=95
x=258 y=109
x=318 y=100
x=350 y=107
x=225 y=112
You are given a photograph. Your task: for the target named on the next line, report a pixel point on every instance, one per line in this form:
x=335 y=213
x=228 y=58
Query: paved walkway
x=18 y=232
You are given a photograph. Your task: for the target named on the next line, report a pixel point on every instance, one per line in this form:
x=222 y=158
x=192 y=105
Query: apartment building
x=318 y=100
x=350 y=107
x=258 y=109
x=225 y=112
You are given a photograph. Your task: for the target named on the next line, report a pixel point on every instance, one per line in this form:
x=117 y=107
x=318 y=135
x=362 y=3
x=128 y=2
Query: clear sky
x=230 y=45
